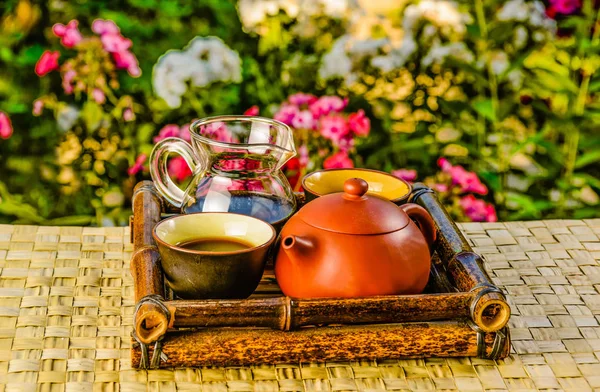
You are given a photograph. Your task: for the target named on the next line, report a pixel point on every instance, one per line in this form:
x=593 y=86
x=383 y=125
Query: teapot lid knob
x=355 y=188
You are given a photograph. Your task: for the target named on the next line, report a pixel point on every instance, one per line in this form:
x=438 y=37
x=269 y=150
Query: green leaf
x=16 y=107
x=594 y=86
x=589 y=179
x=74 y=220
x=541 y=60
x=492 y=179
x=587 y=158
x=585 y=213
x=526 y=206
x=20 y=210
x=485 y=109
x=30 y=55
x=92 y=115
x=453 y=107
x=555 y=82
x=144 y=133
x=571 y=21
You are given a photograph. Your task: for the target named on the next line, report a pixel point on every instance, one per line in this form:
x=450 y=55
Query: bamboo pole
x=243 y=347
x=489 y=311
x=283 y=313
x=150 y=320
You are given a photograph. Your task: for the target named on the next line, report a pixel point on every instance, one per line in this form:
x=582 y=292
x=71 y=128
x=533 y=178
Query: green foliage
x=503 y=96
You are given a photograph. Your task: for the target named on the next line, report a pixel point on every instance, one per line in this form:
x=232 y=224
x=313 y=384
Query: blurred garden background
x=495 y=104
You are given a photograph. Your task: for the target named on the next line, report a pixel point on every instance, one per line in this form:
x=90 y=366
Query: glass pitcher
x=236 y=166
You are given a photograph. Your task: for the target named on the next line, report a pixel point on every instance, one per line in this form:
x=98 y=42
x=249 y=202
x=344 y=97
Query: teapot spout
x=296 y=247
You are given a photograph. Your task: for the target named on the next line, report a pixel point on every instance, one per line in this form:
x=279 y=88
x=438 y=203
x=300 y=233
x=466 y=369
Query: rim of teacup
x=203 y=252
x=357 y=169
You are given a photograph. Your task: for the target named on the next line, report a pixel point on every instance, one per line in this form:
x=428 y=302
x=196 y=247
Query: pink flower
x=303 y=157
x=339 y=160
x=300 y=99
x=565 y=7
x=405 y=174
x=115 y=43
x=67 y=82
x=471 y=183
x=359 y=123
x=48 y=62
x=38 y=107
x=443 y=163
x=217 y=131
x=179 y=168
x=69 y=35
x=303 y=120
x=184 y=132
x=138 y=166
x=128 y=115
x=467 y=181
x=327 y=104
x=246 y=185
x=286 y=113
x=170 y=130
x=252 y=111
x=230 y=164
x=6 y=129
x=440 y=187
x=101 y=27
x=346 y=143
x=127 y=60
x=98 y=96
x=334 y=127
x=478 y=210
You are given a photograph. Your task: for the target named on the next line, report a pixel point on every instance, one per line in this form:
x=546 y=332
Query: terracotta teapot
x=354 y=245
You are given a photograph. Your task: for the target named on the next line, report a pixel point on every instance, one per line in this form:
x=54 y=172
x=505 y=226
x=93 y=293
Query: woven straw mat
x=66 y=301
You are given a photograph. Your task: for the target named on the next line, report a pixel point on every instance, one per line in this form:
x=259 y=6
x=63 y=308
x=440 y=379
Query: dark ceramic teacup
x=212 y=274
x=383 y=185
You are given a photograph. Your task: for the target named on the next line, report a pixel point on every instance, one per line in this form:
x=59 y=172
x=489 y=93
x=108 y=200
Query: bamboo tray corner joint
x=462 y=312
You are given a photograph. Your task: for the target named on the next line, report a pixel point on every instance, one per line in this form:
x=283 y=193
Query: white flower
x=499 y=62
x=202 y=62
x=336 y=63
x=67 y=117
x=334 y=8
x=515 y=78
x=397 y=56
x=515 y=10
x=254 y=12
x=439 y=12
x=366 y=47
x=538 y=36
x=429 y=31
x=438 y=53
x=521 y=36
x=533 y=13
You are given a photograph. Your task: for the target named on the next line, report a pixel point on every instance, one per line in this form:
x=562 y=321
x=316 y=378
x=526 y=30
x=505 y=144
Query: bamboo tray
x=461 y=313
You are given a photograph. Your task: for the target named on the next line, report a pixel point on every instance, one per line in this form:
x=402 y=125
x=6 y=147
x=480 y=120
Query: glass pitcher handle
x=159 y=169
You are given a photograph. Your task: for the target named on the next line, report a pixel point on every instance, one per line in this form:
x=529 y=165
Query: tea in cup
x=210 y=255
